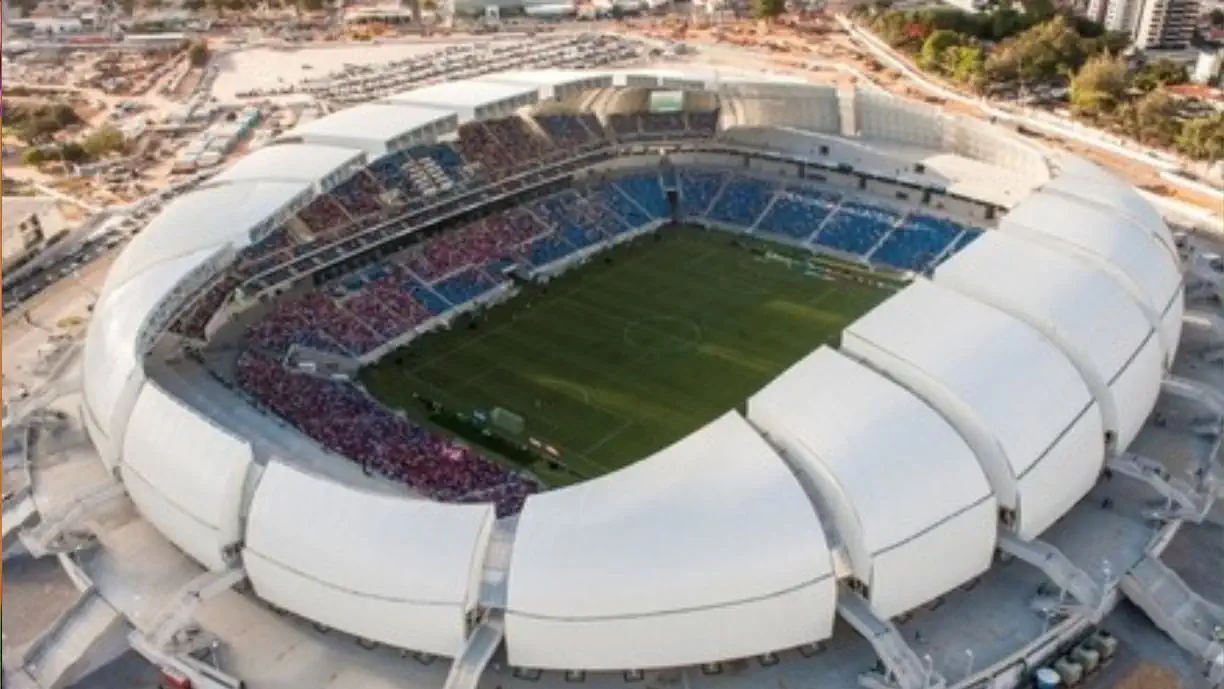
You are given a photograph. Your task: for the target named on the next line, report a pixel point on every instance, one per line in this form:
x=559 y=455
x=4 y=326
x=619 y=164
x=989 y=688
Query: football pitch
x=623 y=356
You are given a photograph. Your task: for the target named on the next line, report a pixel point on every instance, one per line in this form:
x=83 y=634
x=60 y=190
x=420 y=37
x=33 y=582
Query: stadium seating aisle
x=341 y=418
x=857 y=227
x=572 y=131
x=645 y=190
x=697 y=191
x=742 y=201
x=918 y=242
x=797 y=216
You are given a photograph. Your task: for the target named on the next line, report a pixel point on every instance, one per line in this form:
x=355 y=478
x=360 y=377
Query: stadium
x=648 y=376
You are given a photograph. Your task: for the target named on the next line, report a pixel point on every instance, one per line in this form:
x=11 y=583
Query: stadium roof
x=112 y=360
x=209 y=218
x=466 y=97
x=710 y=543
x=371 y=127
x=1011 y=393
x=392 y=569
x=1084 y=310
x=1081 y=179
x=1104 y=233
x=185 y=475
x=906 y=492
x=290 y=162
x=552 y=83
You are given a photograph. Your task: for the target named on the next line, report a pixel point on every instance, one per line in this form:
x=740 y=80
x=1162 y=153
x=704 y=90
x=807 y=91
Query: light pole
x=969 y=670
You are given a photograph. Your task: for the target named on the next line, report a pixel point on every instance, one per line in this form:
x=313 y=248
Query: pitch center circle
x=663 y=334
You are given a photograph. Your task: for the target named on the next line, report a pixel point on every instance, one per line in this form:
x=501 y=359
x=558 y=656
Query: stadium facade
x=963 y=417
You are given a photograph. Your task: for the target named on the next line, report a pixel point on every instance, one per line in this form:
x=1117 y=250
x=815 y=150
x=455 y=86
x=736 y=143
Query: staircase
x=49 y=536
x=59 y=657
x=905 y=669
x=1193 y=623
x=1185 y=501
x=477 y=652
x=1060 y=570
x=19 y=511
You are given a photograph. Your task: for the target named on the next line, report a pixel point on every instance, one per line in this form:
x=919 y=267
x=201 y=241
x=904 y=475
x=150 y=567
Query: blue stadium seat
x=465 y=286
x=797 y=216
x=916 y=243
x=545 y=250
x=697 y=191
x=646 y=191
x=857 y=227
x=427 y=297
x=742 y=201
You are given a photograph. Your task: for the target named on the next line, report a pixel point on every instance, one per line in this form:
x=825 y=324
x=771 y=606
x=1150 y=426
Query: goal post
x=507 y=421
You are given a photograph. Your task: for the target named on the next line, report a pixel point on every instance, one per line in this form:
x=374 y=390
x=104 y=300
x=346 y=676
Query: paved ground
x=36 y=592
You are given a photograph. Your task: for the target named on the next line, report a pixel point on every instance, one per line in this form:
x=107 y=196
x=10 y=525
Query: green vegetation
x=99 y=144
x=37 y=124
x=1007 y=50
x=768 y=9
x=197 y=52
x=621 y=357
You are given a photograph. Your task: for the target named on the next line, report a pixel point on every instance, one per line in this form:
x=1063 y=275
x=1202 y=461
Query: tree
x=1155 y=118
x=197 y=53
x=1098 y=86
x=967 y=65
x=102 y=142
x=194 y=5
x=1154 y=75
x=935 y=45
x=769 y=9
x=1202 y=138
x=1216 y=17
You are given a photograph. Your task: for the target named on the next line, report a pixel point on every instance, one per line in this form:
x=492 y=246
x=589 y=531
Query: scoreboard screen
x=666 y=101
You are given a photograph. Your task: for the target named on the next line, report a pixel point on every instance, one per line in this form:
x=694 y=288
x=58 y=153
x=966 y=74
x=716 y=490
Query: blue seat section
x=918 y=242
x=388 y=170
x=647 y=192
x=697 y=191
x=797 y=216
x=465 y=286
x=742 y=202
x=965 y=239
x=856 y=227
x=547 y=249
x=428 y=298
x=624 y=126
x=620 y=204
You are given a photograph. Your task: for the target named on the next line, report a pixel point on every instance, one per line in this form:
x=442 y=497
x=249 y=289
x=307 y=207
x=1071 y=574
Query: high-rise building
x=1151 y=24
x=1166 y=24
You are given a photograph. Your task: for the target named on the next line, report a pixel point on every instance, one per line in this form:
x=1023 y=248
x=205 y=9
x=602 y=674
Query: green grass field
x=614 y=361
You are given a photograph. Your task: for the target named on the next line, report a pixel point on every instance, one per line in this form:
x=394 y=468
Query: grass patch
x=621 y=357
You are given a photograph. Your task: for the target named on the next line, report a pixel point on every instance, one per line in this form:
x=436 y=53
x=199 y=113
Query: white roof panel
x=1017 y=399
x=197 y=470
x=472 y=93
x=210 y=217
x=393 y=569
x=370 y=125
x=110 y=353
x=592 y=563
x=892 y=471
x=1084 y=310
x=1102 y=231
x=988 y=358
x=548 y=77
x=289 y=161
x=1082 y=179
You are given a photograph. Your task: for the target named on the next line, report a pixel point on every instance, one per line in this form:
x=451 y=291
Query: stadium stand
x=344 y=420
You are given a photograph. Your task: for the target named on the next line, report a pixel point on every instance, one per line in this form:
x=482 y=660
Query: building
x=28 y=222
x=1152 y=24
x=1209 y=68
